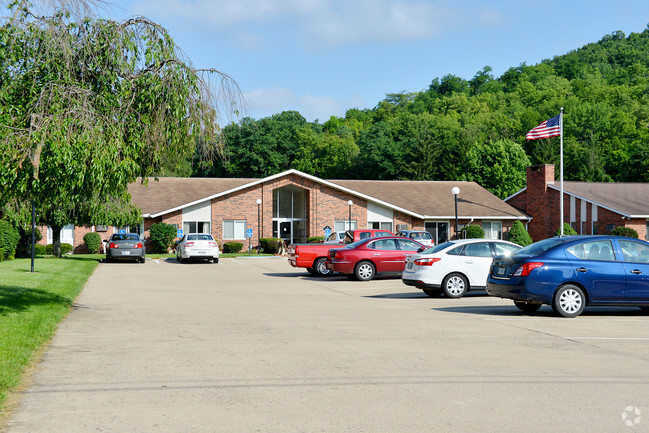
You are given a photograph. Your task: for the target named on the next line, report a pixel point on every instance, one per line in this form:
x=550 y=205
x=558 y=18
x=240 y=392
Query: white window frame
x=489 y=234
x=209 y=227
x=238 y=228
x=343 y=225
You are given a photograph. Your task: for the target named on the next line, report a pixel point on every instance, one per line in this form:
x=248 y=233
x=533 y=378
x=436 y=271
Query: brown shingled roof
x=631 y=199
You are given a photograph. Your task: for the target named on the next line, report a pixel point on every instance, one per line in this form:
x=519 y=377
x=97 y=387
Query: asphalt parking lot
x=253 y=345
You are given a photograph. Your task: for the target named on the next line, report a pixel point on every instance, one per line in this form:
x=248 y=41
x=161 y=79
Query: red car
x=368 y=257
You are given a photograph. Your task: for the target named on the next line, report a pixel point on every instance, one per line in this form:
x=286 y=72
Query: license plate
x=409 y=265
x=126 y=253
x=500 y=271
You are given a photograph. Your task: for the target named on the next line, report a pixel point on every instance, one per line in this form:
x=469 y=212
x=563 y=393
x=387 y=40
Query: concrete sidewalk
x=252 y=345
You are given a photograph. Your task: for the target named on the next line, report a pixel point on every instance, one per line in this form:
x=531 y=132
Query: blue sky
x=323 y=57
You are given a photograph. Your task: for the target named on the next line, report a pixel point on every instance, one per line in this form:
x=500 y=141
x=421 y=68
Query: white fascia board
x=515 y=194
x=617 y=211
x=486 y=217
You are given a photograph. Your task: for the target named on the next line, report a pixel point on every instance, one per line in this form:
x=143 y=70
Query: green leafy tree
x=89 y=105
x=519 y=235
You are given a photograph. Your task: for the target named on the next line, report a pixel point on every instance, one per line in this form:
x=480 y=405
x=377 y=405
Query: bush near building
x=270 y=245
x=93 y=242
x=567 y=230
x=232 y=247
x=65 y=249
x=162 y=237
x=519 y=235
x=472 y=231
x=9 y=238
x=624 y=231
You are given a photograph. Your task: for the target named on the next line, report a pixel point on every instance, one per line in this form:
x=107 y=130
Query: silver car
x=197 y=246
x=122 y=246
x=421 y=236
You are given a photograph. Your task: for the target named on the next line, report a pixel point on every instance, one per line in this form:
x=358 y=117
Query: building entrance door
x=290 y=230
x=289 y=214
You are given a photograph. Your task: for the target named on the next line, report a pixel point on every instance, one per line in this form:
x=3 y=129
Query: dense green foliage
x=65 y=249
x=162 y=237
x=624 y=231
x=519 y=235
x=473 y=130
x=24 y=248
x=472 y=231
x=9 y=238
x=232 y=247
x=314 y=239
x=567 y=230
x=270 y=245
x=93 y=242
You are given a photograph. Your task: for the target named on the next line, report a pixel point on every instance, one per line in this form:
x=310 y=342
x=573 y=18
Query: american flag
x=549 y=128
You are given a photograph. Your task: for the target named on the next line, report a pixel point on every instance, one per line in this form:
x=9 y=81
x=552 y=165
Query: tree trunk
x=56 y=241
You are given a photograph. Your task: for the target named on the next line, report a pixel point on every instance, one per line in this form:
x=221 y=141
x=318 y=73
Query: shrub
x=567 y=230
x=315 y=239
x=39 y=249
x=624 y=231
x=162 y=237
x=270 y=245
x=519 y=235
x=65 y=249
x=93 y=242
x=472 y=231
x=24 y=248
x=232 y=247
x=9 y=238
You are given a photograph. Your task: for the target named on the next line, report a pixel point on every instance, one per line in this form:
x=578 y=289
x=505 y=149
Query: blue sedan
x=571 y=272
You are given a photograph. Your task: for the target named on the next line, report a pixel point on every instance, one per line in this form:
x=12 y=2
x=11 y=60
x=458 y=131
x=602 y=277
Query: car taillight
x=296 y=252
x=525 y=270
x=189 y=244
x=113 y=245
x=427 y=262
x=213 y=244
x=138 y=245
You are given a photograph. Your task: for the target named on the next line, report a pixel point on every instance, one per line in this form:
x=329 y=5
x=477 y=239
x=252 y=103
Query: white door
x=476 y=261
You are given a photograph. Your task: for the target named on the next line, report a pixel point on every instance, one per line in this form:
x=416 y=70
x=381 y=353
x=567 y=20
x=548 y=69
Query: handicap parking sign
x=179 y=233
x=249 y=233
x=327 y=233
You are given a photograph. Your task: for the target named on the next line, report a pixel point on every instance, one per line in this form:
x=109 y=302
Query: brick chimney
x=542 y=203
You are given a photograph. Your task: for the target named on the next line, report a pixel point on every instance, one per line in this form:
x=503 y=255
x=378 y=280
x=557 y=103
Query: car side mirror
x=421 y=249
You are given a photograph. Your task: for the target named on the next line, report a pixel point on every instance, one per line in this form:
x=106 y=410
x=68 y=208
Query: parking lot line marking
x=608 y=338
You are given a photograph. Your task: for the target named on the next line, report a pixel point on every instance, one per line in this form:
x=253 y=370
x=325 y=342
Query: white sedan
x=453 y=268
x=197 y=246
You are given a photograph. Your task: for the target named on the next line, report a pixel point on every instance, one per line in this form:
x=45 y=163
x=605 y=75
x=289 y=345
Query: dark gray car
x=125 y=246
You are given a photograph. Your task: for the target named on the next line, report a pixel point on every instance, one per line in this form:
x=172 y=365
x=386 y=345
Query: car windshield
x=539 y=247
x=126 y=237
x=199 y=237
x=438 y=248
x=421 y=235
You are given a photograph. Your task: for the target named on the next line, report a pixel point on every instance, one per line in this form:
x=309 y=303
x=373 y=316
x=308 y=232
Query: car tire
x=320 y=267
x=179 y=258
x=527 y=307
x=433 y=293
x=455 y=285
x=142 y=260
x=364 y=271
x=312 y=271
x=215 y=259
x=569 y=301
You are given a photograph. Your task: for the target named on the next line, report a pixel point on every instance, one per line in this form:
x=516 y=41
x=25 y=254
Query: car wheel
x=433 y=293
x=312 y=271
x=321 y=268
x=142 y=260
x=569 y=301
x=179 y=258
x=455 y=286
x=527 y=307
x=215 y=259
x=364 y=271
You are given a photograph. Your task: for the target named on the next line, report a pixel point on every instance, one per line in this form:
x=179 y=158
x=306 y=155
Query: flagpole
x=561 y=170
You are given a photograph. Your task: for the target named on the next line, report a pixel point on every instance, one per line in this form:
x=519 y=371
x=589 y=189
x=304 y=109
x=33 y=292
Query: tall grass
x=31 y=307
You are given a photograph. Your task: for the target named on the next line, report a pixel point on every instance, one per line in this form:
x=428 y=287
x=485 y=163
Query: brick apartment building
x=590 y=207
x=294 y=206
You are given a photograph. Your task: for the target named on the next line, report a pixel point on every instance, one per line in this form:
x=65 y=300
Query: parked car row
x=568 y=273
x=129 y=246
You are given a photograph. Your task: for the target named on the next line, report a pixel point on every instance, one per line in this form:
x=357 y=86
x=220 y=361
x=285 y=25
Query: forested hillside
x=471 y=129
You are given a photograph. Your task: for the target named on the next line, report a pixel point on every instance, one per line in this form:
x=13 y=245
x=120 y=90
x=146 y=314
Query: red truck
x=313 y=256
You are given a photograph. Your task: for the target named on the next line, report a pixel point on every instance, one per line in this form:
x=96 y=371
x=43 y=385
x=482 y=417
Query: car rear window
x=126 y=237
x=539 y=247
x=199 y=238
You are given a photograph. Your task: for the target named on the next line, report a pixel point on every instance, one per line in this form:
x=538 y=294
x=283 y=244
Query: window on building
x=380 y=225
x=196 y=227
x=234 y=229
x=492 y=229
x=342 y=225
x=438 y=229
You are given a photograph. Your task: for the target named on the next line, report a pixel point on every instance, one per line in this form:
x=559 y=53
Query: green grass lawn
x=31 y=307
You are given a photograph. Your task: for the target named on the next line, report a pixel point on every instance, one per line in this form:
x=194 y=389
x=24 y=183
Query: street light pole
x=350 y=203
x=258 y=222
x=455 y=190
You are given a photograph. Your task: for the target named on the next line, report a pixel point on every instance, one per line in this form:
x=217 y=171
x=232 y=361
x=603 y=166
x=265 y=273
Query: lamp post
x=455 y=190
x=258 y=222
x=350 y=203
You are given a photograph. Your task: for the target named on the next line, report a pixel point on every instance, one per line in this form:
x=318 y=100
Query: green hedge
x=39 y=249
x=232 y=247
x=472 y=231
x=314 y=239
x=519 y=235
x=162 y=237
x=567 y=230
x=93 y=242
x=9 y=238
x=65 y=249
x=24 y=248
x=624 y=231
x=270 y=245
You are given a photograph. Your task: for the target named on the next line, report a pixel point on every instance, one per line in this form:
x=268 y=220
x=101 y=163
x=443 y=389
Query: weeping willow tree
x=89 y=105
